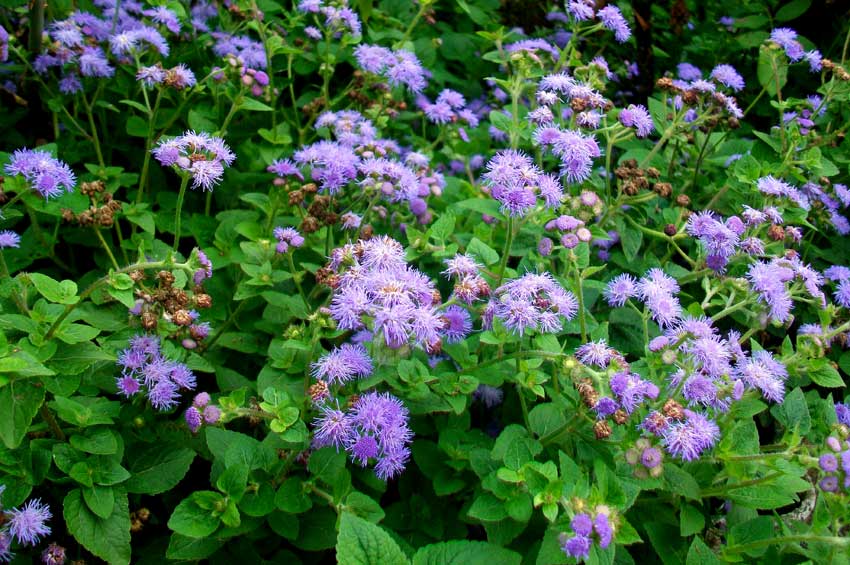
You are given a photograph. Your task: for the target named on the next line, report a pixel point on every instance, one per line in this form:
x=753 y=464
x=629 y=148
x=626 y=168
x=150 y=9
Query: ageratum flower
x=687 y=439
x=286 y=238
x=576 y=150
x=45 y=174
x=636 y=116
x=143 y=364
x=27 y=524
x=620 y=289
x=613 y=19
x=200 y=155
x=728 y=76
x=344 y=363
x=400 y=67
x=768 y=281
x=8 y=238
x=249 y=52
x=374 y=429
x=516 y=182
x=533 y=301
x=764 y=373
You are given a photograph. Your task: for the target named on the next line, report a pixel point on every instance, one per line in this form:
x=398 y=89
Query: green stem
x=94 y=138
x=47 y=416
x=4 y=270
x=422 y=7
x=177 y=217
x=14 y=199
x=106 y=247
x=842 y=542
x=509 y=238
x=143 y=177
x=721 y=490
x=528 y=353
x=295 y=278
x=36 y=26
x=580 y=295
x=729 y=309
x=101 y=282
x=230 y=319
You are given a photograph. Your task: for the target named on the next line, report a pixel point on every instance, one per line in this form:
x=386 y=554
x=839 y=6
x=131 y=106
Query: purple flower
x=212 y=414
x=602 y=528
x=596 y=353
x=842 y=413
x=582 y=524
x=728 y=76
x=332 y=427
x=577 y=547
x=198 y=154
x=516 y=182
x=651 y=457
x=605 y=406
x=287 y=237
x=143 y=364
x=533 y=302
x=490 y=396
x=193 y=419
x=768 y=281
x=45 y=174
x=689 y=438
x=764 y=373
x=27 y=524
x=620 y=289
x=631 y=390
x=828 y=462
x=150 y=76
x=687 y=71
x=8 y=238
x=787 y=39
x=343 y=364
x=636 y=116
x=53 y=554
x=613 y=19
x=251 y=53
x=458 y=324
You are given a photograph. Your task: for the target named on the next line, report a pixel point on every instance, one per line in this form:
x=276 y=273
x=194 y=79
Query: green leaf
x=233 y=481
x=85 y=410
x=191 y=519
x=691 y=520
x=823 y=373
x=74 y=359
x=107 y=538
x=482 y=251
x=158 y=469
x=487 y=508
x=19 y=403
x=76 y=333
x=364 y=506
x=772 y=70
x=792 y=10
x=253 y=105
x=701 y=554
x=64 y=292
x=545 y=418
x=361 y=542
x=291 y=498
x=191 y=549
x=681 y=482
x=462 y=552
x=100 y=441
x=793 y=413
x=100 y=500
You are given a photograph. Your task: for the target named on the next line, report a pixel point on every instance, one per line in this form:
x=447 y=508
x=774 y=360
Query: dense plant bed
x=398 y=282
